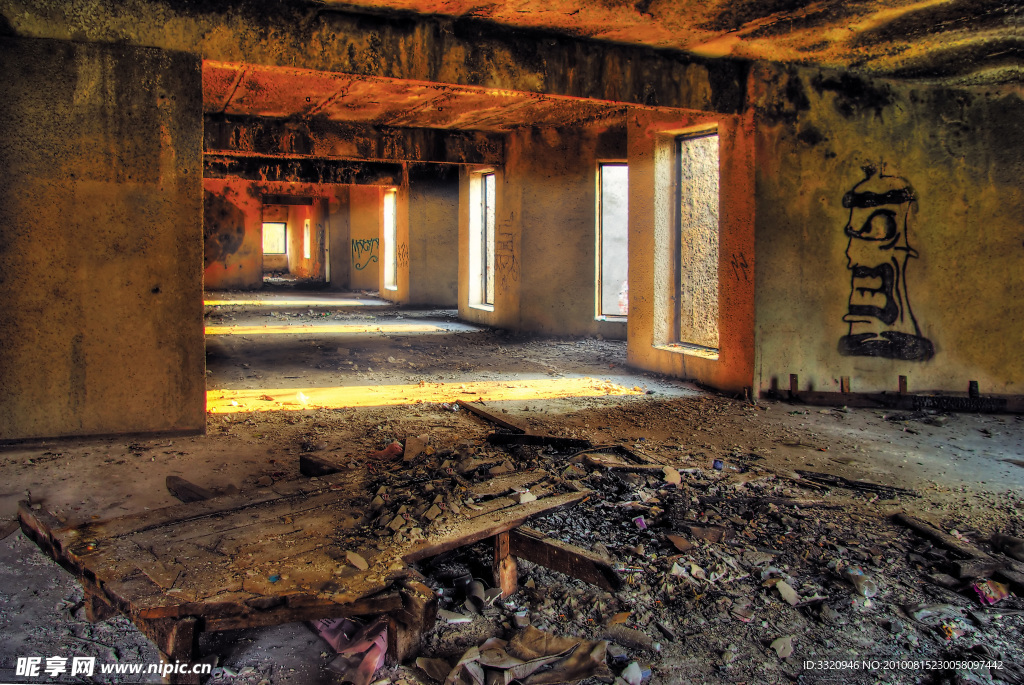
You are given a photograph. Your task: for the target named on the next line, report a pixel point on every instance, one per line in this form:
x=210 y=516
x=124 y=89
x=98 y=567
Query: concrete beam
x=470 y=52
x=332 y=140
x=254 y=168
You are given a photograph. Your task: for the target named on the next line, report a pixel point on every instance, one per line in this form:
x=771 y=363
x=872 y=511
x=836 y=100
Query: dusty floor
x=294 y=355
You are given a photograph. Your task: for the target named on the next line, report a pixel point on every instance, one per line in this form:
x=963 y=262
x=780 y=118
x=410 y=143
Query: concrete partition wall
x=101 y=240
x=364 y=237
x=890 y=236
x=654 y=252
x=545 y=232
x=429 y=261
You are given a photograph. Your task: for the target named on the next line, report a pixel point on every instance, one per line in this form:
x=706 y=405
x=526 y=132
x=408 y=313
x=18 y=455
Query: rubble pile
x=738 y=573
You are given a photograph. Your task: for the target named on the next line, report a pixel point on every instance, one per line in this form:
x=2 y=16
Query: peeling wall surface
x=232 y=235
x=889 y=234
x=101 y=327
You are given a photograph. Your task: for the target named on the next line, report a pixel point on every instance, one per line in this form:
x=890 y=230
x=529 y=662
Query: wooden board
x=532 y=545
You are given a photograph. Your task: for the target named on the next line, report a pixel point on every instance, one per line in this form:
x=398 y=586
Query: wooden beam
x=474 y=530
x=532 y=545
x=488 y=416
x=506 y=571
x=324 y=139
x=561 y=444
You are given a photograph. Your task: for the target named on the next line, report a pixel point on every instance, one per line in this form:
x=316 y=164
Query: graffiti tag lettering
x=505 y=263
x=363 y=247
x=403 y=255
x=881 y=322
x=740 y=266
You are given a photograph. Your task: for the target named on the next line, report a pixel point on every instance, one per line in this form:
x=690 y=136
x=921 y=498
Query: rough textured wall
x=101 y=327
x=232 y=235
x=364 y=237
x=889 y=234
x=431 y=256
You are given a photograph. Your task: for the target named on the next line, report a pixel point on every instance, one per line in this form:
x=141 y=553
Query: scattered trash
x=787 y=593
x=931 y=614
x=990 y=592
x=361 y=648
x=863 y=583
x=640 y=523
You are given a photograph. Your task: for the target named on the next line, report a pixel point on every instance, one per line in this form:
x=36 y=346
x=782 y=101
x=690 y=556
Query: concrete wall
x=653 y=251
x=953 y=162
x=364 y=237
x=315 y=217
x=101 y=327
x=430 y=258
x=232 y=235
x=545 y=233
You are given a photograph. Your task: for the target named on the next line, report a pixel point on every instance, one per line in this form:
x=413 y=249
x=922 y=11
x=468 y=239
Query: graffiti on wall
x=364 y=252
x=223 y=229
x=881 y=321
x=505 y=264
x=403 y=255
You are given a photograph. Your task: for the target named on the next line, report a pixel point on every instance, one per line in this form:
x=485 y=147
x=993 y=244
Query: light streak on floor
x=296 y=399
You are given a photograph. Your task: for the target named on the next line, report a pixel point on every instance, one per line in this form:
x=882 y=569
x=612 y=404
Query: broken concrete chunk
x=524 y=496
x=432 y=513
x=783 y=646
x=397 y=522
x=787 y=593
x=356 y=560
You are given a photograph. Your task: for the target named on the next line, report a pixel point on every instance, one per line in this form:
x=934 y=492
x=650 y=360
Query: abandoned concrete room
x=403 y=342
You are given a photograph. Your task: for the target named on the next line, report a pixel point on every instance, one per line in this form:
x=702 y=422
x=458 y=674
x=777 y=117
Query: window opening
x=274 y=237
x=390 y=240
x=613 y=240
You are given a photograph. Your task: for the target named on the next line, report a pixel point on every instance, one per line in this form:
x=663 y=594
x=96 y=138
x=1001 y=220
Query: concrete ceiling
x=260 y=91
x=959 y=41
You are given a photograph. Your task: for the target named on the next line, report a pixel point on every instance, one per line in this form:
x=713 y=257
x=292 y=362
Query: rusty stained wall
x=101 y=326
x=232 y=235
x=935 y=293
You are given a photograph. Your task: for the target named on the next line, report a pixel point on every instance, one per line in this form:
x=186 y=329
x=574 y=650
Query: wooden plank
x=489 y=507
x=607 y=460
x=474 y=530
x=964 y=549
x=186 y=491
x=502 y=485
x=505 y=568
x=561 y=444
x=488 y=416
x=370 y=606
x=563 y=557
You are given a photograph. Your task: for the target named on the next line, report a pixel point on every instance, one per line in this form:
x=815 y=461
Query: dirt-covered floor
x=755 y=587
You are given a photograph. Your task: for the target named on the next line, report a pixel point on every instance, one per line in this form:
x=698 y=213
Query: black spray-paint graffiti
x=505 y=264
x=881 y=321
x=403 y=255
x=740 y=266
x=367 y=247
